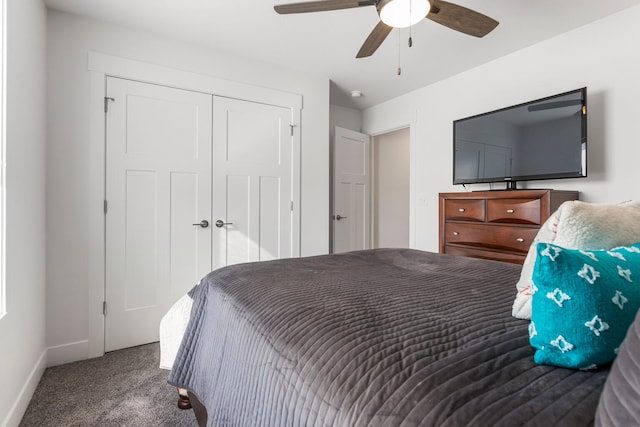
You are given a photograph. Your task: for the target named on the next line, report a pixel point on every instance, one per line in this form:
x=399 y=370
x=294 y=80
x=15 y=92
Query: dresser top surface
x=503 y=194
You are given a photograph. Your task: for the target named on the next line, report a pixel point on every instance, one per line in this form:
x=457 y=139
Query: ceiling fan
x=400 y=14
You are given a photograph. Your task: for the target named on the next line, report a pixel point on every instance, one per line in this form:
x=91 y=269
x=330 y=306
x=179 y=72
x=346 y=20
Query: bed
x=385 y=337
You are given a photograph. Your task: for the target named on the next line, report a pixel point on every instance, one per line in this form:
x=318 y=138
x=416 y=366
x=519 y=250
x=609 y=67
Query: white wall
x=602 y=56
x=70 y=38
x=344 y=117
x=22 y=329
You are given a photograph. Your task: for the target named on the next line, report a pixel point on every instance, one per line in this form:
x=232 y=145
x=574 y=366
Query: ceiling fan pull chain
x=410 y=41
x=399 y=49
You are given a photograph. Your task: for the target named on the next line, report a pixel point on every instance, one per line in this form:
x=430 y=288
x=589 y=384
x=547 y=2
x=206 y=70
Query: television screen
x=542 y=139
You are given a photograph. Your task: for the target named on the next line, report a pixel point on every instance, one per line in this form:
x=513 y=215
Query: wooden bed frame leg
x=183 y=400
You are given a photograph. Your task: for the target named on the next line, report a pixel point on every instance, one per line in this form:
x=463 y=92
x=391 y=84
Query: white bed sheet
x=172 y=327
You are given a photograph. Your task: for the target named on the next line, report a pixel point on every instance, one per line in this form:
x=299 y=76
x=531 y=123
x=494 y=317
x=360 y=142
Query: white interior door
x=351 y=191
x=158 y=184
x=252 y=167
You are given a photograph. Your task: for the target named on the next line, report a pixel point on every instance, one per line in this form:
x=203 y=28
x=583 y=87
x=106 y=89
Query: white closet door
x=158 y=184
x=252 y=175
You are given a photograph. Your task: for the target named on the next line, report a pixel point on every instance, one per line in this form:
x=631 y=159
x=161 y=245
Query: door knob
x=339 y=217
x=204 y=223
x=220 y=223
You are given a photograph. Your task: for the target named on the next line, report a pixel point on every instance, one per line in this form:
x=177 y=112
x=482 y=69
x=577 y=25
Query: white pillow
x=579 y=225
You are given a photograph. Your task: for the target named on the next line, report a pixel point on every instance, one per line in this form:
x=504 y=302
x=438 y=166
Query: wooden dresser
x=497 y=225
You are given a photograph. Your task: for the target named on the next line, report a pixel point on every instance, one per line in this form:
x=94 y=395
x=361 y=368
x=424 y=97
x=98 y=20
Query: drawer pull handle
x=520 y=239
x=510 y=211
x=461 y=209
x=455 y=233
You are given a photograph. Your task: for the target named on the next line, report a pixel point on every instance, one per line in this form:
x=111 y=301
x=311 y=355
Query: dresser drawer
x=498 y=225
x=497 y=236
x=514 y=211
x=464 y=210
x=512 y=257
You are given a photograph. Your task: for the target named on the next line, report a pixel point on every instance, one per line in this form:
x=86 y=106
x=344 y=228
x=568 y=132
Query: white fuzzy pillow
x=579 y=225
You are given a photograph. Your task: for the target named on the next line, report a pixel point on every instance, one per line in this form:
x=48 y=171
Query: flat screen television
x=541 y=139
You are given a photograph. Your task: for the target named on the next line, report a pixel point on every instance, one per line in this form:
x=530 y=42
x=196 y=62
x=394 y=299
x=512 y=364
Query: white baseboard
x=24 y=397
x=67 y=353
x=52 y=356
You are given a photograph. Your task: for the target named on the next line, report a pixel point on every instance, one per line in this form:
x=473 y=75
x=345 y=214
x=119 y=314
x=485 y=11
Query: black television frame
x=512 y=180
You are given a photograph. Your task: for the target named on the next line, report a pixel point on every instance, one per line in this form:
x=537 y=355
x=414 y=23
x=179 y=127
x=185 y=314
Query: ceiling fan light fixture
x=402 y=13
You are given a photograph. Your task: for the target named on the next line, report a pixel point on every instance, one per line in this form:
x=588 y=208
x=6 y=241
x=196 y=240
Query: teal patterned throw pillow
x=583 y=303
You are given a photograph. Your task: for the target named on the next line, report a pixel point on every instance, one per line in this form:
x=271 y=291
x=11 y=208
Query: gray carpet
x=123 y=388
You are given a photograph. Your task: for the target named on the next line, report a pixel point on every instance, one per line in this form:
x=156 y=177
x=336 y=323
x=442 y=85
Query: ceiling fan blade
x=556 y=104
x=320 y=6
x=461 y=19
x=375 y=39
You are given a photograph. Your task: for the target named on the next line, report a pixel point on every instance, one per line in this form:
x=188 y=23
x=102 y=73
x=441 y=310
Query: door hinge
x=292 y=206
x=104 y=308
x=106 y=103
x=292 y=126
x=104 y=207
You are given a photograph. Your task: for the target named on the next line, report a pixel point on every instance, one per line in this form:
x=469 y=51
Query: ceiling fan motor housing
x=402 y=13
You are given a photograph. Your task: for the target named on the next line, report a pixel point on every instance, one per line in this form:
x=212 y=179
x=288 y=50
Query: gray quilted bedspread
x=388 y=337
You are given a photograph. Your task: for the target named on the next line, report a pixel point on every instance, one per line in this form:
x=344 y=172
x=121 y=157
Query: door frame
x=392 y=126
x=384 y=129
x=100 y=66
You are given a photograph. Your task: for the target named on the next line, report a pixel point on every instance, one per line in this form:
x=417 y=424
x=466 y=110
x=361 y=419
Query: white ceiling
x=325 y=43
